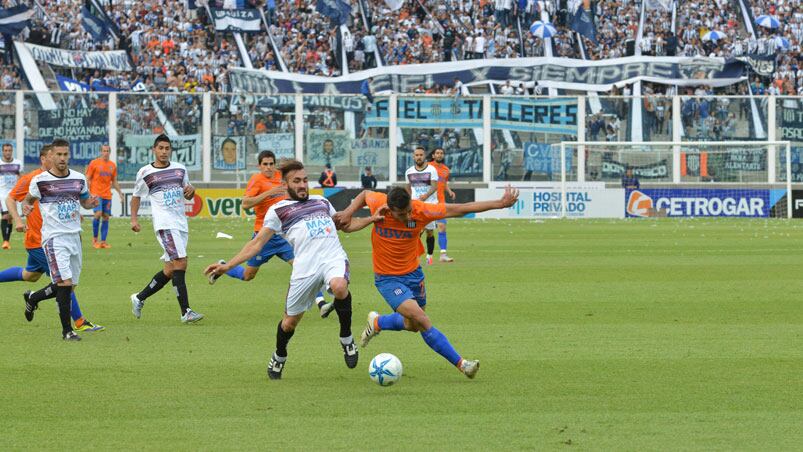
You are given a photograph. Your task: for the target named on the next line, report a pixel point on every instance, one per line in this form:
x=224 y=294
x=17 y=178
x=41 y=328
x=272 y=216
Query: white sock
x=346 y=340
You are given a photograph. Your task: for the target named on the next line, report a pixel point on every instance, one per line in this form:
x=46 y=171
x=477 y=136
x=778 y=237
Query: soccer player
x=264 y=190
x=167 y=185
x=422 y=181
x=102 y=176
x=320 y=261
x=61 y=192
x=438 y=155
x=9 y=173
x=37 y=262
x=398 y=275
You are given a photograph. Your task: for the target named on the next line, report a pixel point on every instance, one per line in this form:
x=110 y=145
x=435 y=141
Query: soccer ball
x=385 y=369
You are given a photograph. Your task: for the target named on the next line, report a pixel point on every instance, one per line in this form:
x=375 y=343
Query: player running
x=10 y=169
x=397 y=273
x=438 y=155
x=37 y=262
x=60 y=192
x=320 y=261
x=422 y=180
x=264 y=190
x=101 y=174
x=167 y=185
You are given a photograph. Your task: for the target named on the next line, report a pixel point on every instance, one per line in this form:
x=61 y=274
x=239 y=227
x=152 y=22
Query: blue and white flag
x=583 y=23
x=94 y=25
x=74 y=86
x=337 y=11
x=14 y=20
x=237 y=20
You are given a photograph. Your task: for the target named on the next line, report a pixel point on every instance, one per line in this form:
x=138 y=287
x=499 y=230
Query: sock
x=11 y=274
x=438 y=342
x=391 y=322
x=237 y=272
x=181 y=290
x=45 y=293
x=63 y=300
x=430 y=245
x=442 y=241
x=5 y=225
x=343 y=309
x=95 y=226
x=319 y=296
x=159 y=280
x=104 y=230
x=282 y=338
x=75 y=310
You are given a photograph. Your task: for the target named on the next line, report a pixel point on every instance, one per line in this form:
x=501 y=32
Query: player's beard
x=294 y=195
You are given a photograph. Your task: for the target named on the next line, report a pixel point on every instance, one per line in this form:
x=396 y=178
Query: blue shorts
x=396 y=289
x=37 y=262
x=104 y=206
x=276 y=246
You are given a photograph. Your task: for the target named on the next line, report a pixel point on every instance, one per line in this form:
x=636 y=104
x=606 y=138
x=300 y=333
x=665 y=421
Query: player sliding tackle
x=320 y=262
x=398 y=275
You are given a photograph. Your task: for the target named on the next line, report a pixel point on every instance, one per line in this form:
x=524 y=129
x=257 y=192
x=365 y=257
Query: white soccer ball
x=385 y=369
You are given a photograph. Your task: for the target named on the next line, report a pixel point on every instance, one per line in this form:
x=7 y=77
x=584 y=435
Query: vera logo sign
x=700 y=203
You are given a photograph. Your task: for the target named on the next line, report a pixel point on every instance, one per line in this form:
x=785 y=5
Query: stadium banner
x=741 y=159
x=95 y=26
x=797 y=165
x=550 y=72
x=583 y=200
x=695 y=202
x=74 y=86
x=542 y=158
x=373 y=152
x=763 y=65
x=229 y=152
x=237 y=20
x=112 y=60
x=327 y=146
x=15 y=19
x=343 y=103
x=665 y=5
x=614 y=169
x=791 y=116
x=137 y=151
x=282 y=144
x=461 y=162
x=84 y=128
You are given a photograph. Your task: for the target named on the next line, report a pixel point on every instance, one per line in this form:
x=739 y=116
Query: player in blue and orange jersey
x=397 y=272
x=37 y=262
x=264 y=190
x=101 y=174
x=438 y=156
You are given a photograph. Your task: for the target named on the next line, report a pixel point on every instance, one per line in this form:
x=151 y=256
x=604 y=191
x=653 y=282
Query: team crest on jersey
x=411 y=224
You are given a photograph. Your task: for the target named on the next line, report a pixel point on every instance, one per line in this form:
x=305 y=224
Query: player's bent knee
x=30 y=276
x=339 y=287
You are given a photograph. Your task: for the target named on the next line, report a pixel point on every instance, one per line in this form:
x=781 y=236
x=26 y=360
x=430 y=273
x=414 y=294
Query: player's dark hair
x=432 y=156
x=60 y=142
x=162 y=137
x=290 y=165
x=228 y=140
x=45 y=150
x=7 y=144
x=398 y=198
x=265 y=154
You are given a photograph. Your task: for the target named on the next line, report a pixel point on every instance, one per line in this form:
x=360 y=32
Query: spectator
x=368 y=180
x=328 y=177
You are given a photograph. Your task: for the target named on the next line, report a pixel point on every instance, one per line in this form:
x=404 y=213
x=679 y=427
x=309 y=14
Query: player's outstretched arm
x=508 y=199
x=343 y=218
x=249 y=250
x=357 y=224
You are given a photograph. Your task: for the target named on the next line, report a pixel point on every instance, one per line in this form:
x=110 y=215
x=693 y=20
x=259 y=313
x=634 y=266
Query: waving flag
x=14 y=20
x=583 y=23
x=336 y=10
x=94 y=25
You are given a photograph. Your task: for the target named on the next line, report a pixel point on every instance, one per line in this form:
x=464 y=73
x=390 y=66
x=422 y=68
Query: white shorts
x=302 y=291
x=174 y=243
x=430 y=226
x=64 y=258
x=3 y=196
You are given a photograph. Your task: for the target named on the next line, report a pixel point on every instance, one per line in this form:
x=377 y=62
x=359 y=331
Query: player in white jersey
x=10 y=169
x=422 y=180
x=61 y=192
x=320 y=262
x=167 y=185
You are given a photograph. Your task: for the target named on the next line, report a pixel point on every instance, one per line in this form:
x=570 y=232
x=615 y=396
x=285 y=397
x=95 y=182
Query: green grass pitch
x=622 y=335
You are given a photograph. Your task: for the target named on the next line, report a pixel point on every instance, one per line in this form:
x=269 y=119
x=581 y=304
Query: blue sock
x=95 y=226
x=11 y=274
x=319 y=295
x=75 y=310
x=442 y=240
x=438 y=342
x=104 y=230
x=392 y=322
x=237 y=272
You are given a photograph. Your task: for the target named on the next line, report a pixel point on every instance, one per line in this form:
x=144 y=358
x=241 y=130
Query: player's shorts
x=64 y=259
x=104 y=206
x=3 y=196
x=276 y=246
x=430 y=226
x=396 y=289
x=302 y=291
x=174 y=243
x=37 y=262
